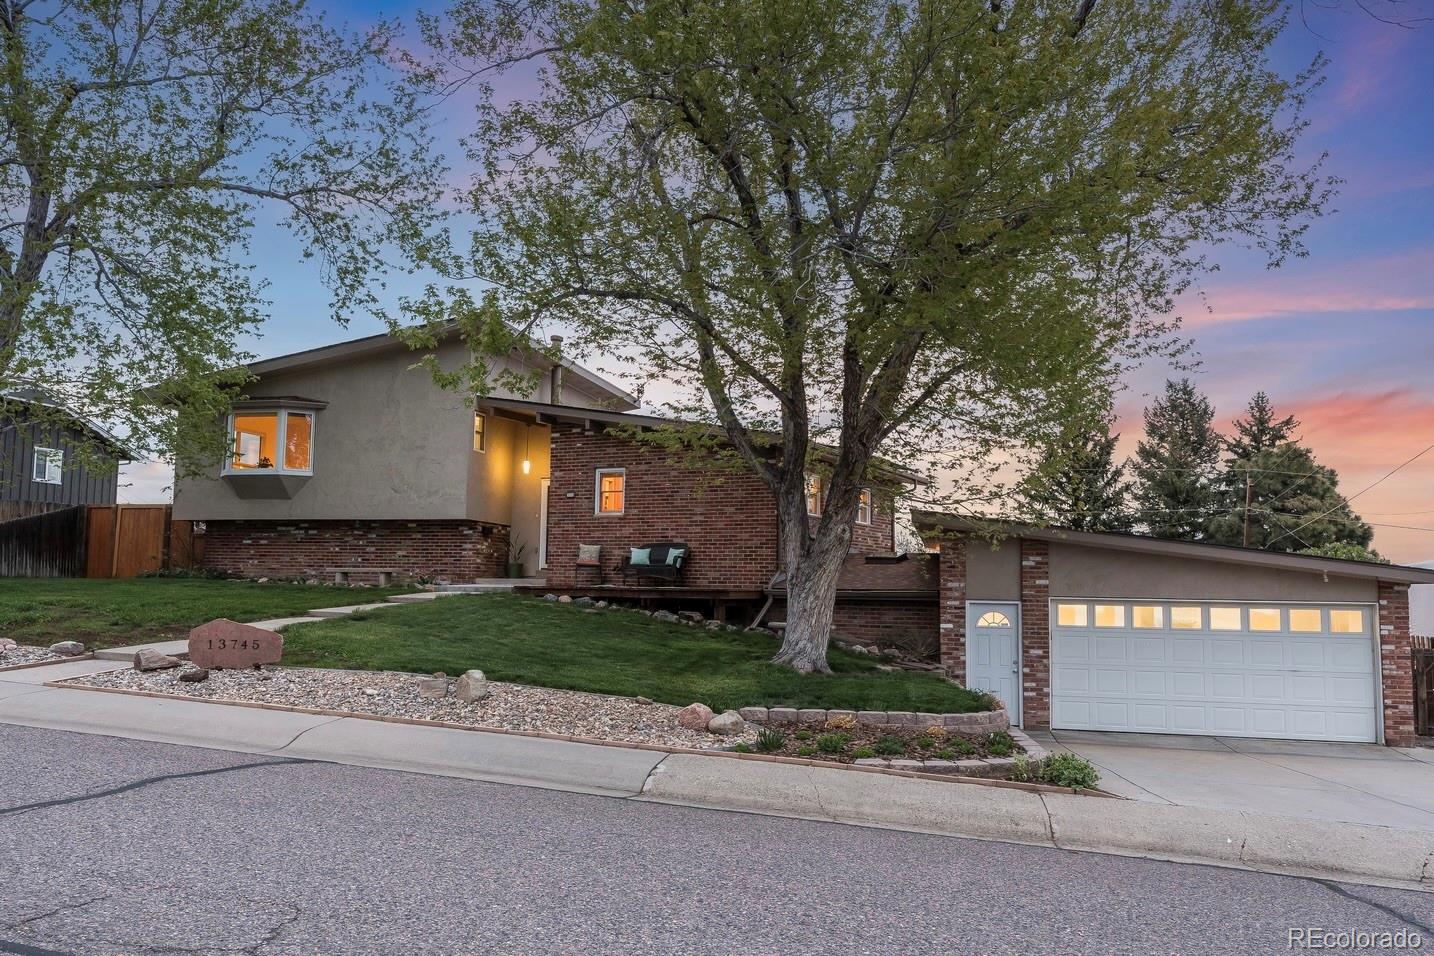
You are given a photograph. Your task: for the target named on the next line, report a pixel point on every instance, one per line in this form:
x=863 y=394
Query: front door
x=993 y=653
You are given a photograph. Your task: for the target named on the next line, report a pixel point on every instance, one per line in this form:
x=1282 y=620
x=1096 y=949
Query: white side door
x=993 y=652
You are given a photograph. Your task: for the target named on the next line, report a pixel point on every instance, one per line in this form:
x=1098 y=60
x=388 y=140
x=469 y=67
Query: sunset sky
x=1343 y=339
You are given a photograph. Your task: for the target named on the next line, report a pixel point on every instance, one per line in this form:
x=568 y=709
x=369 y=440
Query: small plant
x=806 y=751
x=963 y=747
x=1069 y=770
x=832 y=743
x=925 y=743
x=742 y=749
x=891 y=746
x=1001 y=744
x=863 y=753
x=1021 y=769
x=769 y=740
x=803 y=735
x=937 y=731
x=841 y=722
x=946 y=754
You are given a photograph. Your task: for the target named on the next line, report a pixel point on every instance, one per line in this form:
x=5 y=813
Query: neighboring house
x=1101 y=631
x=42 y=467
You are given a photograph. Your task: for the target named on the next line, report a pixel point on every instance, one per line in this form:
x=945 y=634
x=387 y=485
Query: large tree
x=139 y=143
x=1176 y=463
x=1078 y=484
x=839 y=228
x=1294 y=503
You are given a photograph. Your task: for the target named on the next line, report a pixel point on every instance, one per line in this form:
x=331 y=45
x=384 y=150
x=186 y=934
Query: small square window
x=1305 y=620
x=1225 y=619
x=1264 y=619
x=480 y=432
x=1186 y=618
x=814 y=495
x=611 y=491
x=49 y=466
x=1071 y=615
x=1110 y=615
x=1147 y=616
x=1347 y=620
x=863 y=508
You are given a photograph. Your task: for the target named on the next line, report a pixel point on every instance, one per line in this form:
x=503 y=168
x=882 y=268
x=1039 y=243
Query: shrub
x=742 y=749
x=803 y=735
x=770 y=740
x=891 y=746
x=937 y=731
x=1001 y=744
x=832 y=743
x=946 y=754
x=863 y=753
x=806 y=751
x=1021 y=769
x=963 y=746
x=925 y=743
x=1069 y=770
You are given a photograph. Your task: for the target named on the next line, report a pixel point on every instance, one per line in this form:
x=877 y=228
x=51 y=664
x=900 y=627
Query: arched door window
x=993 y=619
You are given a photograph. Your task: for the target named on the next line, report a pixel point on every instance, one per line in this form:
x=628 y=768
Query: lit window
x=259 y=437
x=1305 y=620
x=1110 y=615
x=49 y=463
x=814 y=494
x=1346 y=620
x=1264 y=619
x=480 y=427
x=994 y=619
x=1071 y=615
x=1224 y=619
x=863 y=508
x=1186 y=618
x=1147 y=616
x=611 y=491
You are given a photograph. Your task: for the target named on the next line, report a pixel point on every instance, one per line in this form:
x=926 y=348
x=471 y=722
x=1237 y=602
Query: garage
x=1295 y=671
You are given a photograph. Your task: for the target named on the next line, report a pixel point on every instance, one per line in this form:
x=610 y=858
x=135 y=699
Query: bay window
x=271 y=441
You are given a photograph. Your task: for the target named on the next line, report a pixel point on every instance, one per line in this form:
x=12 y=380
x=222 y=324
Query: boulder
x=565 y=599
x=194 y=675
x=694 y=716
x=856 y=649
x=67 y=648
x=694 y=616
x=584 y=602
x=226 y=643
x=727 y=723
x=471 y=686
x=550 y=597
x=667 y=616
x=713 y=625
x=600 y=604
x=7 y=645
x=150 y=659
x=433 y=687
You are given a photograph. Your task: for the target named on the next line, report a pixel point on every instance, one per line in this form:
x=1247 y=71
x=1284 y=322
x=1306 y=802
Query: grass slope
x=104 y=613
x=531 y=641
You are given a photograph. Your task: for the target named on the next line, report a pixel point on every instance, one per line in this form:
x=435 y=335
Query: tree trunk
x=813 y=566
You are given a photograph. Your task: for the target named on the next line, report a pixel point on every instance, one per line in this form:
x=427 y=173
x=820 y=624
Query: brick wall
x=953 y=607
x=878 y=537
x=1035 y=635
x=457 y=550
x=908 y=624
x=1396 y=665
x=728 y=518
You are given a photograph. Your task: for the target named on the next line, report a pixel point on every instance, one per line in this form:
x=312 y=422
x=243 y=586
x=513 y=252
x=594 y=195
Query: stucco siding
x=1080 y=571
x=993 y=572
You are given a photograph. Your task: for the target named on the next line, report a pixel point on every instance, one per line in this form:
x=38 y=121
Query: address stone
x=226 y=643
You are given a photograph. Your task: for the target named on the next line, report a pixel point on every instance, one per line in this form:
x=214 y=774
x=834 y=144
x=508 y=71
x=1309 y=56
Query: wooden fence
x=1423 y=688
x=98 y=541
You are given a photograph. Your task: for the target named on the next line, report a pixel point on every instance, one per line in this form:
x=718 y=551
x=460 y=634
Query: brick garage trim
x=952 y=607
x=1396 y=665
x=1035 y=635
x=455 y=549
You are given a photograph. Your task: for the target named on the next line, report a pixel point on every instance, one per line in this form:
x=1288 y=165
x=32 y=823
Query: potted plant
x=515 y=557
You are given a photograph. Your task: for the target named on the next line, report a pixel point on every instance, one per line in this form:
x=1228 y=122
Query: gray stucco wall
x=993 y=572
x=1078 y=571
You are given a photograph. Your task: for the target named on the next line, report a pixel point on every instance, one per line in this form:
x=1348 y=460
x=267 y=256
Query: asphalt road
x=111 y=846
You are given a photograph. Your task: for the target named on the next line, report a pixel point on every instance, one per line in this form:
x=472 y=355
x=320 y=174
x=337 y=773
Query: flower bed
x=930 y=749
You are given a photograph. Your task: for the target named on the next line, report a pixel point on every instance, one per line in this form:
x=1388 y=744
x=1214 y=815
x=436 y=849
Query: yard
x=614 y=651
x=103 y=613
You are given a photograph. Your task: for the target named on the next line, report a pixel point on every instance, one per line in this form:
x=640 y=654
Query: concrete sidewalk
x=1239 y=838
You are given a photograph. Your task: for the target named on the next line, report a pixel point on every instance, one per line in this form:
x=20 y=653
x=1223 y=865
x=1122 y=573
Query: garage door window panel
x=1264 y=619
x=1347 y=621
x=1226 y=619
x=1110 y=615
x=1187 y=618
x=1306 y=620
x=1147 y=616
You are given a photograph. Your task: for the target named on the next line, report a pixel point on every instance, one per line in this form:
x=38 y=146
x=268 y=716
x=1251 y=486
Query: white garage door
x=1237 y=670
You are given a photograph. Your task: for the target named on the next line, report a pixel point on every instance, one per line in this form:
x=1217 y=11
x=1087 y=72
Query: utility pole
x=1246 y=540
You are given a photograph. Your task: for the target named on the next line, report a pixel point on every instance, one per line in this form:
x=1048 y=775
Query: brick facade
x=1035 y=635
x=456 y=550
x=908 y=624
x=729 y=518
x=1396 y=665
x=952 y=607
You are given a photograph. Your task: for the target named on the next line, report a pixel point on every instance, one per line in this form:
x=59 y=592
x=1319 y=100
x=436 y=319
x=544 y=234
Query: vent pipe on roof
x=555 y=383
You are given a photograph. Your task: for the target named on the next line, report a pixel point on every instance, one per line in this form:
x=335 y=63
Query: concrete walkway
x=1353 y=783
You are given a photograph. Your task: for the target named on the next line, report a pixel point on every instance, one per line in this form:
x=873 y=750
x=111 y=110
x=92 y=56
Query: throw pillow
x=589 y=552
x=675 y=555
x=640 y=556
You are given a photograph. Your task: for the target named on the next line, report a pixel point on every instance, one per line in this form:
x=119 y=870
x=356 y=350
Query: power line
x=1346 y=501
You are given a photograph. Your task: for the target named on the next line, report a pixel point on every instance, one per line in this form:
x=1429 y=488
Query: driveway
x=1355 y=783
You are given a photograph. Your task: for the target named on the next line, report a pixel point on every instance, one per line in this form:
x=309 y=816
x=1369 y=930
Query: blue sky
x=1343 y=339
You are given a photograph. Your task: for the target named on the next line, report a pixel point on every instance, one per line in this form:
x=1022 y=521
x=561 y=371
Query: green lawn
x=532 y=641
x=113 y=613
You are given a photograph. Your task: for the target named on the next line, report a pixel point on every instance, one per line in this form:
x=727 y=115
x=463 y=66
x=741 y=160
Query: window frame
x=54 y=458
x=864 y=504
x=813 y=487
x=597 y=492
x=480 y=432
x=281 y=442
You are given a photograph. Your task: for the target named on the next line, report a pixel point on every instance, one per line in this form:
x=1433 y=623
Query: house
x=50 y=461
x=1120 y=632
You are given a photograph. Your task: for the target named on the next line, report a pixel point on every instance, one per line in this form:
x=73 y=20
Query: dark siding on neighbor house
x=80 y=483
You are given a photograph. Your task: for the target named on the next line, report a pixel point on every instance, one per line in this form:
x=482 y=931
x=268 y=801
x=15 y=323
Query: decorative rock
x=550 y=597
x=727 y=723
x=714 y=625
x=433 y=687
x=565 y=599
x=601 y=604
x=583 y=602
x=150 y=659
x=67 y=648
x=644 y=701
x=7 y=644
x=755 y=715
x=695 y=716
x=194 y=675
x=471 y=686
x=667 y=616
x=857 y=649
x=694 y=616
x=225 y=643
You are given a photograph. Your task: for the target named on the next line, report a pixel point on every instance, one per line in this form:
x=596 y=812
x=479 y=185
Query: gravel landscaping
x=26 y=654
x=391 y=694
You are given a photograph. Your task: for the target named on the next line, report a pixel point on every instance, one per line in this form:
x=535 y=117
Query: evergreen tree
x=1295 y=504
x=1259 y=431
x=1345 y=552
x=1176 y=464
x=1079 y=485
